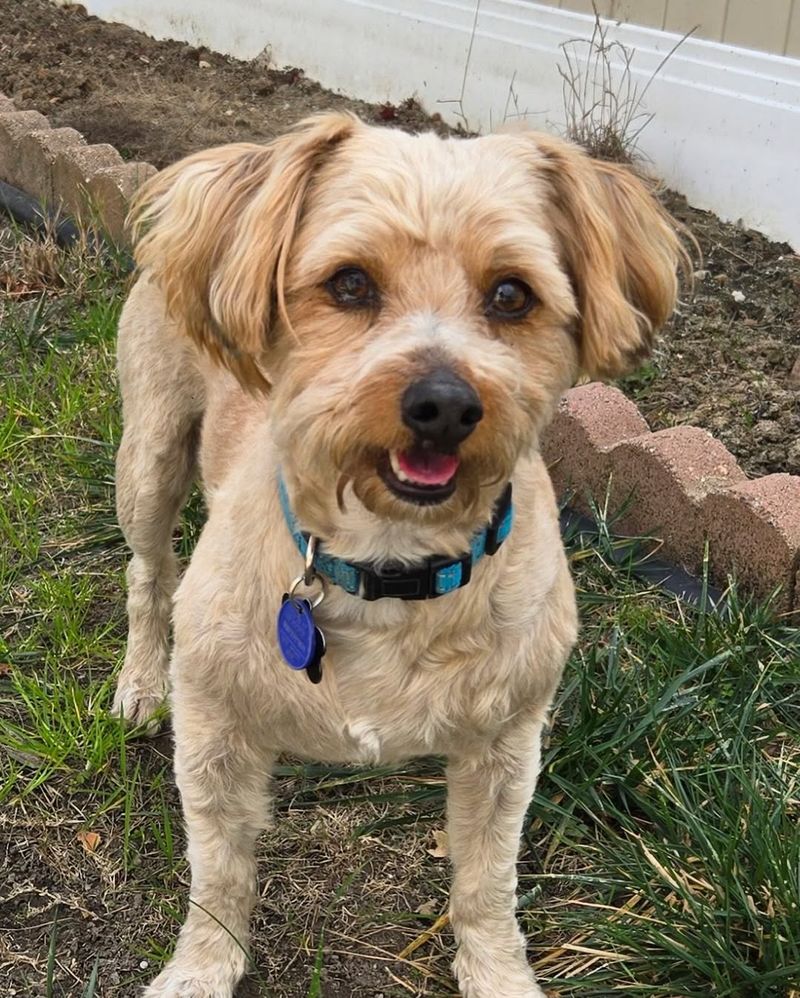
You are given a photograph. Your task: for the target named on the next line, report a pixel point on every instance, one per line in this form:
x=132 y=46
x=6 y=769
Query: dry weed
x=603 y=103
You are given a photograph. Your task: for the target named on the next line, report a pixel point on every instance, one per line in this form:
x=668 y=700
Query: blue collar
x=434 y=577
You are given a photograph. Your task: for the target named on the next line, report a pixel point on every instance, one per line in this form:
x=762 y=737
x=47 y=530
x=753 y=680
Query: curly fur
x=234 y=357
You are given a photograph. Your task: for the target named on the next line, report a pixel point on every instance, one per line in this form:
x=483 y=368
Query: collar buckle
x=434 y=577
x=393 y=580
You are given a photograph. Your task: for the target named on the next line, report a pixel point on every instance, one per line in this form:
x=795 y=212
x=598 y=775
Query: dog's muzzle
x=441 y=409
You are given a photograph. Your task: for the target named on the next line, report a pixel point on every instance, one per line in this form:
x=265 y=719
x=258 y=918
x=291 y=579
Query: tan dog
x=384 y=322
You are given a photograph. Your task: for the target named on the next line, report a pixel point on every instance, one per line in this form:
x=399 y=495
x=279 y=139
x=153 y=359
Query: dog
x=356 y=336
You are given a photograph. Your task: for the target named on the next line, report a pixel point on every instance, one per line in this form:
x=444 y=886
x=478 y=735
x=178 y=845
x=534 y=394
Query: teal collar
x=435 y=576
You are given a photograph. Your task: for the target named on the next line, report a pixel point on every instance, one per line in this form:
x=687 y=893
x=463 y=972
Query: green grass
x=662 y=855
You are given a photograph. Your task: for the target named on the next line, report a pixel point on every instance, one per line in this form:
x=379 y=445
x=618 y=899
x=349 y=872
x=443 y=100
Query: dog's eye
x=352 y=287
x=510 y=298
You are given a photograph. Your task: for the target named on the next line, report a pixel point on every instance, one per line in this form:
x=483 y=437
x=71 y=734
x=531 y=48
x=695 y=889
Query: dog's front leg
x=223 y=782
x=488 y=796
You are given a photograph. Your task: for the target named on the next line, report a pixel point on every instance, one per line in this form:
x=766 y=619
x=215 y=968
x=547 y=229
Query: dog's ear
x=215 y=231
x=622 y=251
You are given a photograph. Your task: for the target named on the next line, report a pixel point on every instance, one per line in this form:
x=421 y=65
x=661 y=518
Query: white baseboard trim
x=726 y=121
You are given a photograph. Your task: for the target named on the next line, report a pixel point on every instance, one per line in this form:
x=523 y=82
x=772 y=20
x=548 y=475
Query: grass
x=661 y=857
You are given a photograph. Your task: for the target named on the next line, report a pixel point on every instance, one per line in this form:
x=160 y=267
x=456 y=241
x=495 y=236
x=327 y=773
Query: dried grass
x=603 y=103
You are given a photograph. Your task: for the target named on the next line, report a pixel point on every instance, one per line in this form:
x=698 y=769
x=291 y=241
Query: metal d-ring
x=315 y=602
x=310 y=572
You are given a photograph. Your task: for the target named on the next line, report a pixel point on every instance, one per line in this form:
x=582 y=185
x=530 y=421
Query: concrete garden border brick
x=754 y=530
x=669 y=473
x=14 y=127
x=91 y=183
x=36 y=158
x=679 y=485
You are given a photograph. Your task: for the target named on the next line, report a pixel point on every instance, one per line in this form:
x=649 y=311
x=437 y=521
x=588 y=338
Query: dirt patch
x=725 y=361
x=155 y=101
x=324 y=889
x=723 y=364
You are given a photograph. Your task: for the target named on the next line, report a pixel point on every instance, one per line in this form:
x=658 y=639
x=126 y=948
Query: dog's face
x=432 y=325
x=417 y=305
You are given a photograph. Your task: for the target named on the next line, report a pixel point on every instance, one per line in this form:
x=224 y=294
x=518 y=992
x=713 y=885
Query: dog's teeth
x=395 y=463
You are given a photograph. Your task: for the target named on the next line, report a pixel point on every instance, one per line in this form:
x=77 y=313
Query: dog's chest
x=390 y=692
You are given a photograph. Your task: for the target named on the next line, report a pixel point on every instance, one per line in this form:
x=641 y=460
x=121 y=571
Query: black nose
x=441 y=408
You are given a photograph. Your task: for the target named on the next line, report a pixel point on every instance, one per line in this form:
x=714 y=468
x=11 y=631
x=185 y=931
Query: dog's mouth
x=419 y=475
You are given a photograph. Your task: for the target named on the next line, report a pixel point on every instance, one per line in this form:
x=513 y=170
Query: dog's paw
x=138 y=705
x=175 y=982
x=486 y=976
x=505 y=986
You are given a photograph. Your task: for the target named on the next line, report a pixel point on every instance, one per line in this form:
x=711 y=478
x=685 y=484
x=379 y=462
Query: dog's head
x=417 y=305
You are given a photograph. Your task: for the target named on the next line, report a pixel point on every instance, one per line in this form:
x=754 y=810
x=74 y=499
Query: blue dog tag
x=299 y=639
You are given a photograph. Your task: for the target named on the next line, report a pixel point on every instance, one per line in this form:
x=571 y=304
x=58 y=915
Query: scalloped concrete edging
x=90 y=183
x=679 y=485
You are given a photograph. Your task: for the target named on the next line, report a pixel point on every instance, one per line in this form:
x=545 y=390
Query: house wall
x=767 y=25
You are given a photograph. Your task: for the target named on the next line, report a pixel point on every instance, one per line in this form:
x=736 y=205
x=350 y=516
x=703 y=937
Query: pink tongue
x=427 y=467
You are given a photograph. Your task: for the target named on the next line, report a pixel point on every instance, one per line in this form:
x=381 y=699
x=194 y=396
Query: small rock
x=143 y=965
x=721 y=278
x=738 y=296
x=229 y=112
x=794 y=374
x=204 y=64
x=699 y=275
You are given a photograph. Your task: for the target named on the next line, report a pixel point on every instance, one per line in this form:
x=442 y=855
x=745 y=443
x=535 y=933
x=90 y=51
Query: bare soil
x=324 y=886
x=723 y=364
x=725 y=360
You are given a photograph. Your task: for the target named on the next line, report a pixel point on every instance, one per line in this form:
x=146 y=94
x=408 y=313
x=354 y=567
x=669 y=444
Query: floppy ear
x=215 y=231
x=622 y=250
